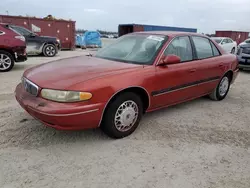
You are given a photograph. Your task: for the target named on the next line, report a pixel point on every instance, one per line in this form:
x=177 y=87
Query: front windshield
x=217 y=40
x=247 y=41
x=135 y=48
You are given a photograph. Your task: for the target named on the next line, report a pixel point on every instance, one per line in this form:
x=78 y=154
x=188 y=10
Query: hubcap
x=50 y=50
x=5 y=62
x=224 y=84
x=126 y=116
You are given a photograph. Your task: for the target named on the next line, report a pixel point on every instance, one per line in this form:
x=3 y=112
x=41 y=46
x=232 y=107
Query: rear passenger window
x=181 y=47
x=215 y=50
x=203 y=47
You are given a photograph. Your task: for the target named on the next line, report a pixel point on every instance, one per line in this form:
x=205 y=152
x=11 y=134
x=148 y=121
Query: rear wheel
x=123 y=115
x=6 y=61
x=49 y=50
x=220 y=92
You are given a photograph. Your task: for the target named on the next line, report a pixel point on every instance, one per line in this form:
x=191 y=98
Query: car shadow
x=30 y=133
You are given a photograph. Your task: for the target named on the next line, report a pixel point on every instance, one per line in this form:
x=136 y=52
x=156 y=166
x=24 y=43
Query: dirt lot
x=197 y=144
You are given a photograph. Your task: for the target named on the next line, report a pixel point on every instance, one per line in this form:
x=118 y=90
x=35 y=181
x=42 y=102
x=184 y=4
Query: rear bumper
x=21 y=58
x=20 y=54
x=62 y=116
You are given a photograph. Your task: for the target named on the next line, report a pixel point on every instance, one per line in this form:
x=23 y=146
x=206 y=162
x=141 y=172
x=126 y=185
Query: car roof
x=169 y=33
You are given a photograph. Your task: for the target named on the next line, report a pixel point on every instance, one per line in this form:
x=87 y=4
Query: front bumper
x=244 y=60
x=63 y=116
x=59 y=46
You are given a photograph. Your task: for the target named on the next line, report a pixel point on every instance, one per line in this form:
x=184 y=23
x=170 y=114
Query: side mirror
x=168 y=60
x=33 y=35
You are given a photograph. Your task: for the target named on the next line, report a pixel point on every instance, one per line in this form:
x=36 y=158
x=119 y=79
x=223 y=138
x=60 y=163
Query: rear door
x=209 y=63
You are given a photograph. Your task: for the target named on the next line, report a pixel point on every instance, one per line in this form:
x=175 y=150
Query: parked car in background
x=12 y=48
x=48 y=46
x=227 y=44
x=243 y=54
x=139 y=72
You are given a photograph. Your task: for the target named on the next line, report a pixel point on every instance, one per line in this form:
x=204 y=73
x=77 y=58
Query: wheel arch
x=141 y=91
x=9 y=51
x=230 y=74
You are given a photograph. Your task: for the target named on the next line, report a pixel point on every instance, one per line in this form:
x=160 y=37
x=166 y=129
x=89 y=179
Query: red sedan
x=140 y=72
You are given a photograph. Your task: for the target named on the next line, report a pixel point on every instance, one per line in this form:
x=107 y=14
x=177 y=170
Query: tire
x=123 y=108
x=49 y=50
x=233 y=50
x=6 y=61
x=221 y=90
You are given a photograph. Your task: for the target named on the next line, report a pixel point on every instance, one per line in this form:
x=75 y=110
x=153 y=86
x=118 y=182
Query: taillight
x=20 y=38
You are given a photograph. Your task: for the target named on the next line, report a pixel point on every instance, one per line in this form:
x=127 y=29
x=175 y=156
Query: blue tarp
x=89 y=39
x=93 y=38
x=79 y=38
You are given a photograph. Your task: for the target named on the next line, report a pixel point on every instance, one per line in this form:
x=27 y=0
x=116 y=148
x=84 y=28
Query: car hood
x=244 y=45
x=62 y=74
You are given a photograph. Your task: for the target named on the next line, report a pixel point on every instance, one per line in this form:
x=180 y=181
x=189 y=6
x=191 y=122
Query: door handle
x=192 y=70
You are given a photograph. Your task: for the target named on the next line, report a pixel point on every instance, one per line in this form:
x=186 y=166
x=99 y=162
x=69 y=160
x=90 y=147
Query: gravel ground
x=196 y=144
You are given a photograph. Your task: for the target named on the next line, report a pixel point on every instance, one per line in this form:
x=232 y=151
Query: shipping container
x=238 y=36
x=62 y=29
x=129 y=28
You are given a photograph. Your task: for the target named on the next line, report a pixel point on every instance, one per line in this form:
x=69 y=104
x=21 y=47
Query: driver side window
x=181 y=47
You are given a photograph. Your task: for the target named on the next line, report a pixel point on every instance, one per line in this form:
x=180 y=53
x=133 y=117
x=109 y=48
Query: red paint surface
x=64 y=30
x=9 y=43
x=104 y=79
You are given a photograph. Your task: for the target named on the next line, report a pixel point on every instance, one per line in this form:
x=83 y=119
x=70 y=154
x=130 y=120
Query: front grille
x=30 y=87
x=246 y=50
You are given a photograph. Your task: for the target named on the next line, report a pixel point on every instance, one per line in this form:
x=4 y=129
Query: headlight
x=65 y=96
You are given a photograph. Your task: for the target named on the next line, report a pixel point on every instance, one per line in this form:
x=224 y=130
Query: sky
x=205 y=15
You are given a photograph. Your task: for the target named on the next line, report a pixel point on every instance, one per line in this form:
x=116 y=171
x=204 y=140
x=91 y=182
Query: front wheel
x=6 y=61
x=123 y=115
x=49 y=50
x=220 y=92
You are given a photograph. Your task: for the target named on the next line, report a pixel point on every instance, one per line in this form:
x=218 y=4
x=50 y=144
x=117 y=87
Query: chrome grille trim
x=30 y=87
x=246 y=50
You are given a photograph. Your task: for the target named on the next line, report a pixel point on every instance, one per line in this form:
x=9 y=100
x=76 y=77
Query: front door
x=226 y=45
x=177 y=82
x=33 y=41
x=34 y=44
